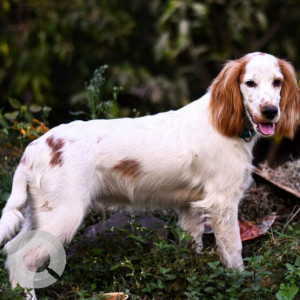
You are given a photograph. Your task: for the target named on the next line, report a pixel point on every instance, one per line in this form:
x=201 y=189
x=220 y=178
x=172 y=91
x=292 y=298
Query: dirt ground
x=264 y=198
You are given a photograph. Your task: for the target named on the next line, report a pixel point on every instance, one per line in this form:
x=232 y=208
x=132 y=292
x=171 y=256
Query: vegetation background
x=164 y=54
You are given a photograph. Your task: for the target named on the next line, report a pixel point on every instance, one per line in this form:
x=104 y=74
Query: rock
x=119 y=226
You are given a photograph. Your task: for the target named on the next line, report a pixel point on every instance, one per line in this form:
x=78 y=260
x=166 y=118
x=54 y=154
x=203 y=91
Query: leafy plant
x=146 y=266
x=99 y=108
x=290 y=288
x=22 y=121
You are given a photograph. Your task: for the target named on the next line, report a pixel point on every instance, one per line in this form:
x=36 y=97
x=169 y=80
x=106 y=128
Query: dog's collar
x=247 y=134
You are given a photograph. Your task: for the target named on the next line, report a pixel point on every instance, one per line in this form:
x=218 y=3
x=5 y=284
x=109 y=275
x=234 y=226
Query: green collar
x=247 y=134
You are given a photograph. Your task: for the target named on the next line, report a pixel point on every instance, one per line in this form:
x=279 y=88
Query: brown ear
x=226 y=107
x=289 y=103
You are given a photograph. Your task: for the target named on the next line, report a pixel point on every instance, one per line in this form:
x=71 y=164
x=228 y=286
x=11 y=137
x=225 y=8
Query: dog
x=197 y=159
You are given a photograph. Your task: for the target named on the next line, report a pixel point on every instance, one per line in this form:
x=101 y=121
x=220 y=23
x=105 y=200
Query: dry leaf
x=266 y=222
x=249 y=230
x=116 y=296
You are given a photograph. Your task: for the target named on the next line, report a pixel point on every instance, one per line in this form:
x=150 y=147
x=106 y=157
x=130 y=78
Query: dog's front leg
x=227 y=234
x=223 y=212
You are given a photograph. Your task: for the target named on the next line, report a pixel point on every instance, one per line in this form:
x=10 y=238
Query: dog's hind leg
x=59 y=219
x=193 y=223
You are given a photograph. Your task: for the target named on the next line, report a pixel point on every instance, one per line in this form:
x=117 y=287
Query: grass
x=146 y=266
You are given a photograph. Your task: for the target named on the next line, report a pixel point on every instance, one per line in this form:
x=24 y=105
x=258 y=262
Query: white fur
x=173 y=159
x=262 y=72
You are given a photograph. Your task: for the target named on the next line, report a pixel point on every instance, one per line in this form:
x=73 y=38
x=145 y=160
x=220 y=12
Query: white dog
x=196 y=159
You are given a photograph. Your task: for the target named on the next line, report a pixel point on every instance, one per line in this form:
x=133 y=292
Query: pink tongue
x=266 y=128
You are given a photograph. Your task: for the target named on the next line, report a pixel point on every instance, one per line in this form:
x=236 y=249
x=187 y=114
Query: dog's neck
x=248 y=132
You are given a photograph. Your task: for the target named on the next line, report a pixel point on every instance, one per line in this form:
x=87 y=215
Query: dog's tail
x=12 y=215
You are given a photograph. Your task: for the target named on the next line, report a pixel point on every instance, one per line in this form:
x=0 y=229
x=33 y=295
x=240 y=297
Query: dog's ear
x=289 y=103
x=226 y=106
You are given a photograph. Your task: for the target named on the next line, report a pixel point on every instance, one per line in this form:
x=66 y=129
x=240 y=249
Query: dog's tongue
x=266 y=128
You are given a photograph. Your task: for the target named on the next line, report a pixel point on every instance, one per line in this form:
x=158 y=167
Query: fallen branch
x=260 y=173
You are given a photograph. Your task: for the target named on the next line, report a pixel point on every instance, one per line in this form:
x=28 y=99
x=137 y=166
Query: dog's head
x=257 y=90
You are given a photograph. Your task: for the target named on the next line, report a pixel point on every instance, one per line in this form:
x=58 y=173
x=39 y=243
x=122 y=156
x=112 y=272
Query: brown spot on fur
x=56 y=155
x=46 y=207
x=56 y=145
x=128 y=167
x=56 y=159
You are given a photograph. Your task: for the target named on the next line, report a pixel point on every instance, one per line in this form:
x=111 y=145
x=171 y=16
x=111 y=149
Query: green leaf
x=256 y=286
x=170 y=277
x=209 y=289
x=164 y=270
x=28 y=116
x=199 y=9
x=5 y=131
x=35 y=108
x=3 y=123
x=288 y=293
x=12 y=116
x=15 y=104
x=137 y=238
x=289 y=267
x=214 y=265
x=171 y=8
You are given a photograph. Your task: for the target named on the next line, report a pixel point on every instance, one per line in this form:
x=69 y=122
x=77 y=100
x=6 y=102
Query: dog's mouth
x=262 y=128
x=266 y=129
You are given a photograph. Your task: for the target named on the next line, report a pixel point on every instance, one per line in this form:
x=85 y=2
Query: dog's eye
x=250 y=83
x=277 y=83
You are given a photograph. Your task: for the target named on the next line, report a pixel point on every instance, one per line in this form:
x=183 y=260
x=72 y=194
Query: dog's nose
x=269 y=112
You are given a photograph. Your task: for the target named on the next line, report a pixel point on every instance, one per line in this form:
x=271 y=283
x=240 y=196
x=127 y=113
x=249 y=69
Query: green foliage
x=144 y=266
x=22 y=124
x=99 y=108
x=5 y=185
x=164 y=53
x=7 y=168
x=94 y=102
x=93 y=91
x=290 y=288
